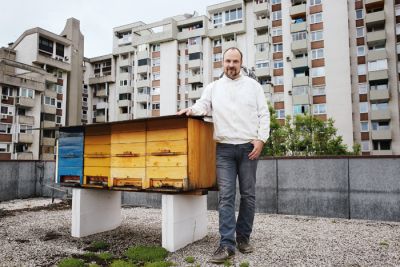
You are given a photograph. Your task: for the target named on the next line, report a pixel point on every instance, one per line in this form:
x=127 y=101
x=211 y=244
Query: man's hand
x=258 y=146
x=187 y=111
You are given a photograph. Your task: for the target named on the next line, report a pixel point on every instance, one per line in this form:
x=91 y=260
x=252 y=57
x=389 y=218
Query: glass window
x=363 y=107
x=360 y=50
x=217 y=42
x=362 y=88
x=300 y=90
x=320 y=90
x=155 y=62
x=317 y=53
x=359 y=14
x=364 y=127
x=316 y=18
x=278 y=48
x=377 y=65
x=217 y=57
x=362 y=69
x=277 y=80
x=300 y=109
x=276 y=31
x=315 y=2
x=5 y=128
x=318 y=72
x=278 y=64
x=297 y=36
x=261 y=47
x=156 y=76
x=262 y=64
x=280 y=113
x=155 y=106
x=317 y=35
x=25 y=92
x=380 y=106
x=25 y=129
x=364 y=145
x=277 y=15
x=49 y=101
x=319 y=109
x=360 y=32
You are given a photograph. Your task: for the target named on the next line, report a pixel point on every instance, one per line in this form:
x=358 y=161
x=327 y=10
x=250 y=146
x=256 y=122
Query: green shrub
x=71 y=262
x=122 y=263
x=159 y=264
x=190 y=259
x=146 y=254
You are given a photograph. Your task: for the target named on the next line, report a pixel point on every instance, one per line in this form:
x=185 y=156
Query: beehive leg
x=184 y=220
x=95 y=211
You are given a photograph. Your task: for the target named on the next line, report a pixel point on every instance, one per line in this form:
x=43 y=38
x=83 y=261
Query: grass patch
x=89 y=255
x=105 y=256
x=122 y=263
x=190 y=259
x=159 y=264
x=71 y=262
x=97 y=246
x=227 y=263
x=93 y=265
x=146 y=254
x=384 y=243
x=244 y=264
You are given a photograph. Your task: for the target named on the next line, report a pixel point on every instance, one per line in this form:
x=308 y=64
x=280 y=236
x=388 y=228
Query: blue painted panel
x=70 y=151
x=70 y=162
x=70 y=171
x=71 y=141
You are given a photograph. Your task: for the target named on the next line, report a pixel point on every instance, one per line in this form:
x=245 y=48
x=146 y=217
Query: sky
x=97 y=17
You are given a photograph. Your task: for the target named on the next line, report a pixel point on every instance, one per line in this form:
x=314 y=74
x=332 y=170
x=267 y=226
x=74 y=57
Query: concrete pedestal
x=184 y=220
x=95 y=211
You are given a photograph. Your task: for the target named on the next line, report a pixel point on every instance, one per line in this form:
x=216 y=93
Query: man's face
x=232 y=63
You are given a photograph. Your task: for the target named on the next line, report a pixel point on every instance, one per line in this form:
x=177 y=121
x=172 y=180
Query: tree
x=304 y=135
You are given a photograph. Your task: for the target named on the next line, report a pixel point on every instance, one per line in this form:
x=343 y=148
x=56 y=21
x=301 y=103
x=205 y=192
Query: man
x=241 y=127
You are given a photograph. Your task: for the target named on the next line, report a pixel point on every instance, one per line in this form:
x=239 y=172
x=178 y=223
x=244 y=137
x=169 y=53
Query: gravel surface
x=42 y=237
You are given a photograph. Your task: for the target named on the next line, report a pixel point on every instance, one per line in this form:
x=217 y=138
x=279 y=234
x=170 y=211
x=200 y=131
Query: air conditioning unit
x=290 y=92
x=66 y=58
x=5 y=97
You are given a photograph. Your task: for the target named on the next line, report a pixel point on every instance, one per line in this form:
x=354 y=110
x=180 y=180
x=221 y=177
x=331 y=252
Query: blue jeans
x=232 y=162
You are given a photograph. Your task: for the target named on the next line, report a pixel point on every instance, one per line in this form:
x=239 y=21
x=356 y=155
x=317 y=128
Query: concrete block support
x=95 y=211
x=184 y=220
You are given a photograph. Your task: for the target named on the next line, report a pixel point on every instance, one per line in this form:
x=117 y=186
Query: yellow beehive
x=97 y=156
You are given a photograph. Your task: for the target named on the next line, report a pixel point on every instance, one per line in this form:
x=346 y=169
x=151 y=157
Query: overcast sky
x=97 y=17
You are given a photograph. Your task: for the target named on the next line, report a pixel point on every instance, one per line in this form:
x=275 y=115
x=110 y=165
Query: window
x=7 y=91
x=363 y=107
x=364 y=127
x=300 y=90
x=318 y=90
x=59 y=89
x=317 y=72
x=49 y=101
x=380 y=125
x=59 y=102
x=217 y=19
x=277 y=15
x=315 y=2
x=156 y=76
x=155 y=62
x=278 y=97
x=381 y=144
x=377 y=65
x=5 y=148
x=142 y=47
x=155 y=106
x=359 y=14
x=317 y=35
x=297 y=36
x=59 y=50
x=7 y=110
x=123 y=83
x=45 y=45
x=155 y=47
x=155 y=91
x=360 y=51
x=275 y=2
x=317 y=53
x=280 y=113
x=262 y=64
x=277 y=80
x=261 y=47
x=319 y=109
x=5 y=128
x=362 y=69
x=278 y=64
x=124 y=96
x=276 y=31
x=362 y=88
x=380 y=106
x=194 y=56
x=300 y=109
x=217 y=42
x=360 y=32
x=316 y=18
x=233 y=14
x=380 y=86
x=364 y=145
x=277 y=47
x=25 y=92
x=25 y=129
x=217 y=57
x=194 y=40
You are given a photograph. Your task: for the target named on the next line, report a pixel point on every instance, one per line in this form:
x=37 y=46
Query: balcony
x=24 y=156
x=184 y=35
x=382 y=152
x=102 y=105
x=28 y=120
x=143 y=83
x=102 y=79
x=378 y=75
x=261 y=55
x=25 y=102
x=195 y=94
x=124 y=103
x=124 y=117
x=124 y=62
x=101 y=118
x=298 y=46
x=261 y=72
x=374 y=17
x=228 y=44
x=299 y=62
x=48 y=124
x=380 y=115
x=141 y=113
x=59 y=64
x=196 y=78
x=25 y=138
x=49 y=109
x=142 y=98
x=125 y=40
x=50 y=93
x=101 y=93
x=261 y=7
x=125 y=89
x=382 y=94
x=143 y=69
x=376 y=55
x=198 y=48
x=297 y=10
x=374 y=2
x=48 y=141
x=298 y=81
x=298 y=27
x=143 y=55
x=376 y=37
x=195 y=64
x=261 y=39
x=382 y=134
x=261 y=24
x=237 y=28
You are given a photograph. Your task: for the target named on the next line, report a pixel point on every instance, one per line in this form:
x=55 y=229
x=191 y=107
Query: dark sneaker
x=222 y=254
x=244 y=246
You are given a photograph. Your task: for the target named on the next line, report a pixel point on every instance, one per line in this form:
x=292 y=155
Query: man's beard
x=232 y=72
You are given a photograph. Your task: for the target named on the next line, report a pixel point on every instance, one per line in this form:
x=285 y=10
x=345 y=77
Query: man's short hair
x=234 y=48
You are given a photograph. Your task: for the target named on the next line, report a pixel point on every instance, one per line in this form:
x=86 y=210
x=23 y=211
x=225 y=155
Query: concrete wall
x=356 y=187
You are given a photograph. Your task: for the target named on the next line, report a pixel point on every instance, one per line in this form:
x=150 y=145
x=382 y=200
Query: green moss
x=146 y=254
x=227 y=263
x=122 y=263
x=97 y=246
x=159 y=264
x=70 y=262
x=105 y=256
x=93 y=265
x=244 y=264
x=190 y=259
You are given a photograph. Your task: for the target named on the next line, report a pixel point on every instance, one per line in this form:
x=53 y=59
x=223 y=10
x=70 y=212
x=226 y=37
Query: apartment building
x=41 y=83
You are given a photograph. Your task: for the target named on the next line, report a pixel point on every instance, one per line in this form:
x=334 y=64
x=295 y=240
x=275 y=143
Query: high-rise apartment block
x=332 y=59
